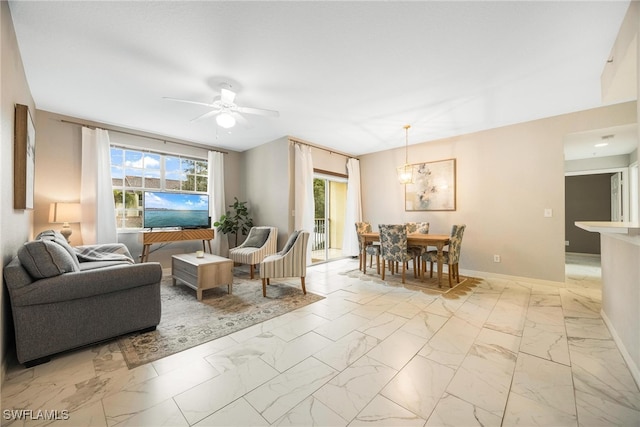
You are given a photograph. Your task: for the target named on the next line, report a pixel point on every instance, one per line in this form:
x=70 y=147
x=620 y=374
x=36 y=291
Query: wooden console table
x=151 y=237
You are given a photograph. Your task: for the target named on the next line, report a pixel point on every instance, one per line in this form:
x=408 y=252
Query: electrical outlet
x=496 y=258
x=566 y=243
x=548 y=213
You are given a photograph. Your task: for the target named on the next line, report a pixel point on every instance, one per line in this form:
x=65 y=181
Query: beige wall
x=269 y=182
x=506 y=178
x=15 y=225
x=267 y=186
x=58 y=160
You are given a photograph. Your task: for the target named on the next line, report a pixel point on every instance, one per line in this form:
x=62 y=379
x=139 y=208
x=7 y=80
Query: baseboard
x=635 y=372
x=487 y=275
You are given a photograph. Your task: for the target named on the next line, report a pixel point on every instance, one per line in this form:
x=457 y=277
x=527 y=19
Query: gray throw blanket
x=104 y=252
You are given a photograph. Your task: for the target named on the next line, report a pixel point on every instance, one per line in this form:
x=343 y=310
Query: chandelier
x=405 y=173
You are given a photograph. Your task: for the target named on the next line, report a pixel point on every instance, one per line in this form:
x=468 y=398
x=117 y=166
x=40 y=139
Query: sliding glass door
x=330 y=196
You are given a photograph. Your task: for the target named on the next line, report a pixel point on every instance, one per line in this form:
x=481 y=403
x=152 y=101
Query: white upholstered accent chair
x=291 y=261
x=260 y=243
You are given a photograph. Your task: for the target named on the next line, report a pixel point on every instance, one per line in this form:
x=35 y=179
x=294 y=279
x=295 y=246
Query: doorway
x=330 y=197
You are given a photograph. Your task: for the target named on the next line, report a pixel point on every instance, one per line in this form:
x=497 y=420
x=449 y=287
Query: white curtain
x=304 y=205
x=216 y=200
x=353 y=211
x=96 y=191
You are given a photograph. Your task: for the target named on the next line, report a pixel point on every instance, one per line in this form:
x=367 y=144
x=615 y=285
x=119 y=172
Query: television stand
x=170 y=236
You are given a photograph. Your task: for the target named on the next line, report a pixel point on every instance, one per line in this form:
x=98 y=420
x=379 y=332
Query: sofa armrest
x=84 y=284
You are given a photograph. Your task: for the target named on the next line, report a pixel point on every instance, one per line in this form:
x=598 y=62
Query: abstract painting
x=433 y=187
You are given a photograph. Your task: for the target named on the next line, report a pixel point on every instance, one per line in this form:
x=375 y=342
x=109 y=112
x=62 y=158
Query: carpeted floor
x=187 y=322
x=427 y=285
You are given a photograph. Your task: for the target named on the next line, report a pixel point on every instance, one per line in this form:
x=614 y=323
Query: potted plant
x=237 y=223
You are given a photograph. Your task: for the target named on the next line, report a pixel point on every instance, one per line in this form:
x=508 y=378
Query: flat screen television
x=164 y=209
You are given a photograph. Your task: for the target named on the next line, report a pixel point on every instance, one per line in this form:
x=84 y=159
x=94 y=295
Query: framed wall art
x=433 y=187
x=24 y=157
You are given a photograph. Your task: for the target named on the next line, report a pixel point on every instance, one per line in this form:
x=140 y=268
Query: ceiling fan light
x=225 y=120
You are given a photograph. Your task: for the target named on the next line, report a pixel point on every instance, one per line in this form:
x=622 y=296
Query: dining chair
x=451 y=256
x=417 y=227
x=371 y=249
x=393 y=248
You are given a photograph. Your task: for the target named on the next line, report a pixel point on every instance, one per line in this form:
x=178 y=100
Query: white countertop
x=610 y=227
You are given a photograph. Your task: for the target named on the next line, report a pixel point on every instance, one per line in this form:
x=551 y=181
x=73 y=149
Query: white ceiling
x=344 y=75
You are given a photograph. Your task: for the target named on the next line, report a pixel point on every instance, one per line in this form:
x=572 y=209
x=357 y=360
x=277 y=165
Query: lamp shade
x=64 y=212
x=405 y=174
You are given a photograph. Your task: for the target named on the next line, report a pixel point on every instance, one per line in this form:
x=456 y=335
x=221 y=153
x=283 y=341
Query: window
x=134 y=171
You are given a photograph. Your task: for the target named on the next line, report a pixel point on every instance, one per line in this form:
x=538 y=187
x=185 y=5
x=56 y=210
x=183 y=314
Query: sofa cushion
x=257 y=237
x=56 y=236
x=46 y=258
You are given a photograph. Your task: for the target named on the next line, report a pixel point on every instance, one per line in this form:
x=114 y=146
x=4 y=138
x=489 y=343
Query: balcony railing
x=319 y=235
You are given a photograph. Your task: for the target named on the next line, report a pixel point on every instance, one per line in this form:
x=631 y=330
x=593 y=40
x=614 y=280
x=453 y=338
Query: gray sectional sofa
x=63 y=297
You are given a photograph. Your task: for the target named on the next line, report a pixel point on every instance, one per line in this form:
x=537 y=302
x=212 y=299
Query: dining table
x=413 y=239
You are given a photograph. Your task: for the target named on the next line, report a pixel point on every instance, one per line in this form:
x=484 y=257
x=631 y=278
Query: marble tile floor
x=498 y=353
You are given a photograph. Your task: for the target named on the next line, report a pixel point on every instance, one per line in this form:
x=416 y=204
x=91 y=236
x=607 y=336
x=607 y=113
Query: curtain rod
x=165 y=140
x=299 y=141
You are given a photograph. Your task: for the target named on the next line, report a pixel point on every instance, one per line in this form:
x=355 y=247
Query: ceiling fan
x=225 y=110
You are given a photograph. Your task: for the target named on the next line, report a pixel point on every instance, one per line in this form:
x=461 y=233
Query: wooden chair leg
x=378 y=264
x=382 y=268
x=251 y=270
x=403 y=270
x=304 y=289
x=264 y=287
x=450 y=271
x=431 y=269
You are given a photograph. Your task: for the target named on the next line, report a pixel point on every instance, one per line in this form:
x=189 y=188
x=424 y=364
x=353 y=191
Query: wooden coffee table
x=207 y=272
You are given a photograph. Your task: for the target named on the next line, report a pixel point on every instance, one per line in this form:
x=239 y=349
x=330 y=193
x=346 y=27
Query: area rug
x=426 y=285
x=187 y=322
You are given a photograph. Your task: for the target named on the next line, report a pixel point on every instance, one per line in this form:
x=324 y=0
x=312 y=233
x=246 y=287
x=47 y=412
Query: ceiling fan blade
x=206 y=104
x=205 y=115
x=227 y=96
x=258 y=111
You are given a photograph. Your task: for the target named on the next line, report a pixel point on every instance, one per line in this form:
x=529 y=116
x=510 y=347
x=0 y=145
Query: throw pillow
x=56 y=236
x=257 y=237
x=45 y=258
x=290 y=242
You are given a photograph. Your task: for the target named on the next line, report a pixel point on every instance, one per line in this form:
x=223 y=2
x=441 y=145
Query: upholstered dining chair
x=417 y=227
x=451 y=256
x=371 y=249
x=291 y=261
x=393 y=248
x=261 y=242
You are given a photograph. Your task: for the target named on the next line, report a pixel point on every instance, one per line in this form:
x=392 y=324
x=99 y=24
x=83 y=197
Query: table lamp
x=65 y=213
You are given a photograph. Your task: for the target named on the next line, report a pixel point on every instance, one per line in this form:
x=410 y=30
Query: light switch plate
x=548 y=213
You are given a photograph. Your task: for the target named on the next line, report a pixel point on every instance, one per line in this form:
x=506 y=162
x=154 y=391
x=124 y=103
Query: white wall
x=506 y=178
x=15 y=225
